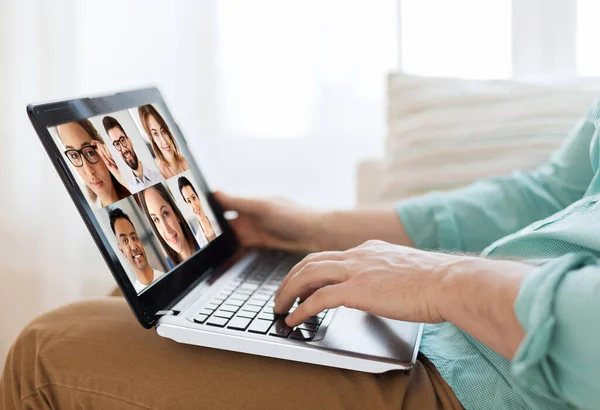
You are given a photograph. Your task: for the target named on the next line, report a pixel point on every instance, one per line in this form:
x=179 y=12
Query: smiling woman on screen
x=168 y=158
x=168 y=223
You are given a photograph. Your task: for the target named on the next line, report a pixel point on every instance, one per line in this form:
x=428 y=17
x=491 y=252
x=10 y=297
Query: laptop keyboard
x=246 y=303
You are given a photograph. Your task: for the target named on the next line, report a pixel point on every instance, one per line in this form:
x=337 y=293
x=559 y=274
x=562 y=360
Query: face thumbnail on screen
x=135 y=176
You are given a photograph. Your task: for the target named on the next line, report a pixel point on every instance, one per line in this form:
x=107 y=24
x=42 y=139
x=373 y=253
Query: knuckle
x=348 y=269
x=372 y=242
x=311 y=256
x=310 y=267
x=361 y=251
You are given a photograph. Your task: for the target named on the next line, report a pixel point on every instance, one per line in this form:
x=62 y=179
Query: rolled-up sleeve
x=471 y=218
x=558 y=306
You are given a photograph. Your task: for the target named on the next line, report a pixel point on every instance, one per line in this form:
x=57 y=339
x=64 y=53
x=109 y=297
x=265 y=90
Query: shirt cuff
x=535 y=310
x=430 y=222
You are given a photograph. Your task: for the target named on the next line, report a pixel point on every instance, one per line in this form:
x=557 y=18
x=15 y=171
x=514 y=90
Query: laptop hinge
x=167 y=312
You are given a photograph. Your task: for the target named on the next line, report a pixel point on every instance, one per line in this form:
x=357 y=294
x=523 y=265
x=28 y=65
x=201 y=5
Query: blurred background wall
x=275 y=97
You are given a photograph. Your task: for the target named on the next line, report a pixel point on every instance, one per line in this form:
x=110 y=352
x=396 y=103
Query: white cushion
x=446 y=132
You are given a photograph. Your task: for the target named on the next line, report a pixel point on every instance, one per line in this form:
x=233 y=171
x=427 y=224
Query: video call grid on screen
x=133 y=171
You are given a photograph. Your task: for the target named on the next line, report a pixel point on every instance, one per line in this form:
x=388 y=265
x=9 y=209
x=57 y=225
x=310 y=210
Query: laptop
x=171 y=250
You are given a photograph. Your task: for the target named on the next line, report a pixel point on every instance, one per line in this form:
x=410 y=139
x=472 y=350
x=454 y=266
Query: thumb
x=242 y=205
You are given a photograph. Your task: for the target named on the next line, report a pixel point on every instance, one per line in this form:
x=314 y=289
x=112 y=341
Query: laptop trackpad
x=354 y=331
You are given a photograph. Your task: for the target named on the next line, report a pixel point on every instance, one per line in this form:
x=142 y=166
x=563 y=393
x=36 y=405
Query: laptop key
x=308 y=326
x=247 y=314
x=248 y=286
x=230 y=308
x=280 y=329
x=262 y=297
x=255 y=302
x=200 y=318
x=238 y=323
x=252 y=308
x=206 y=311
x=314 y=320
x=268 y=310
x=260 y=326
x=267 y=316
x=256 y=282
x=217 y=321
x=224 y=314
x=234 y=302
x=302 y=334
x=239 y=296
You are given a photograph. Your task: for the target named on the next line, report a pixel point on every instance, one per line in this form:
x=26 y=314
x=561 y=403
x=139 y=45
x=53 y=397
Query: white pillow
x=446 y=132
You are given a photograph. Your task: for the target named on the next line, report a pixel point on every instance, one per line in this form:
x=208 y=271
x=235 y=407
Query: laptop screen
x=133 y=170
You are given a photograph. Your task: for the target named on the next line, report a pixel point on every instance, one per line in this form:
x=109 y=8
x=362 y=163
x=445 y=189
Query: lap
x=95 y=355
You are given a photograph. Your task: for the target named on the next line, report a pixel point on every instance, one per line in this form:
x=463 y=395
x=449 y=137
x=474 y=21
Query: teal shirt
x=549 y=217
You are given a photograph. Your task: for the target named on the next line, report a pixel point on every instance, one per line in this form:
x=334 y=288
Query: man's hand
x=392 y=281
x=397 y=282
x=274 y=223
x=277 y=223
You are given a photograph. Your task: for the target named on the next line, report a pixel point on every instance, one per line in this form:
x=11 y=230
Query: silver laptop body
x=344 y=338
x=222 y=296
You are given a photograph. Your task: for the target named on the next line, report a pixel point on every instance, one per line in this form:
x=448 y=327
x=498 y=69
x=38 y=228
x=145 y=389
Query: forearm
x=478 y=296
x=341 y=230
x=543 y=318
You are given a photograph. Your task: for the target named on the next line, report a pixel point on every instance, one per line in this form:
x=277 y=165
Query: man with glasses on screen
x=132 y=248
x=142 y=177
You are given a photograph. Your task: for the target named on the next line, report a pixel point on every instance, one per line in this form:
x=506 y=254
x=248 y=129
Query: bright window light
x=588 y=32
x=459 y=38
x=289 y=69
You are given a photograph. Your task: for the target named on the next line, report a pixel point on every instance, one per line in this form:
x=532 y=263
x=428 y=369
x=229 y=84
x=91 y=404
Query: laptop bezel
x=172 y=287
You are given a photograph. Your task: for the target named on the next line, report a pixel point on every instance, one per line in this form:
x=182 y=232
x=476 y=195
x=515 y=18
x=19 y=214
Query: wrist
x=454 y=284
x=317 y=238
x=331 y=232
x=478 y=295
x=471 y=283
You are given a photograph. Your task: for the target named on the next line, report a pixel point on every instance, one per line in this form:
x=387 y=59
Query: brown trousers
x=94 y=355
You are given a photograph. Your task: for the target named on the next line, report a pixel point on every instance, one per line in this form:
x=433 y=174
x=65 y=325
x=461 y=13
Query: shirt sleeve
x=558 y=306
x=471 y=218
